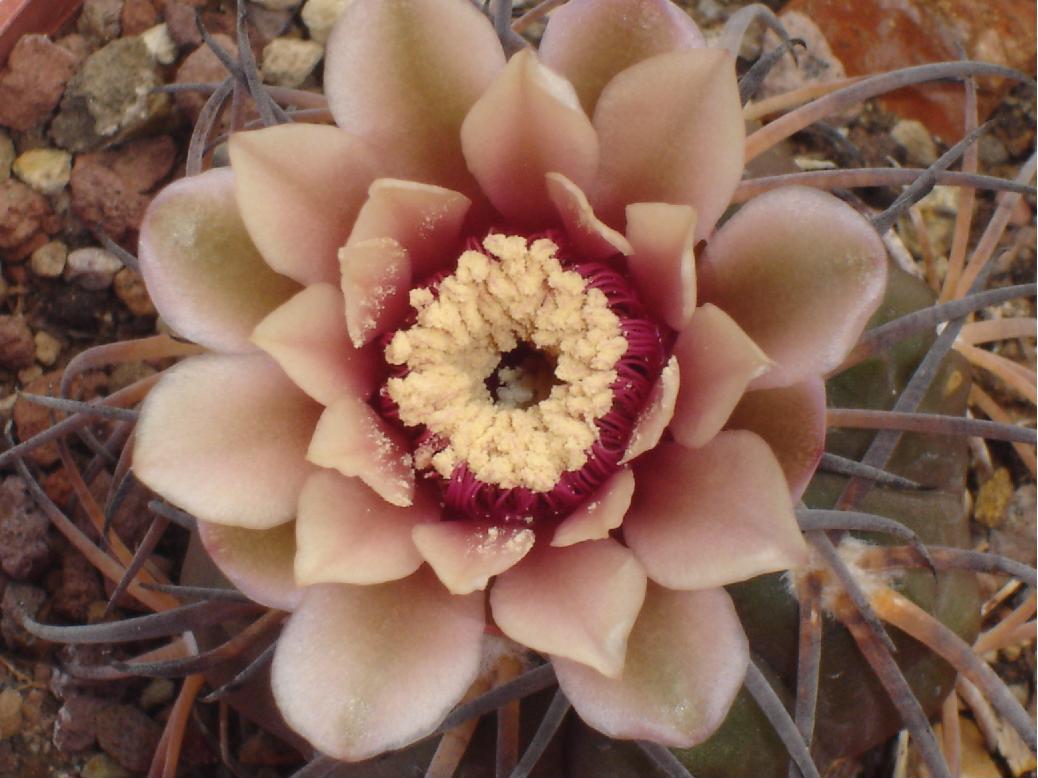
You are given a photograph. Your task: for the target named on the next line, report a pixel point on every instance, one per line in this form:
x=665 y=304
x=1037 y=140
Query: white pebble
x=288 y=61
x=48 y=261
x=45 y=170
x=92 y=268
x=320 y=15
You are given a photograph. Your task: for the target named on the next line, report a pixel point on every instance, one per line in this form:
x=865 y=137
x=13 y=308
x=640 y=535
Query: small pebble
x=103 y=766
x=92 y=268
x=17 y=348
x=101 y=19
x=45 y=170
x=30 y=374
x=288 y=61
x=915 y=139
x=160 y=44
x=48 y=261
x=157 y=693
x=320 y=15
x=130 y=289
x=10 y=713
x=48 y=348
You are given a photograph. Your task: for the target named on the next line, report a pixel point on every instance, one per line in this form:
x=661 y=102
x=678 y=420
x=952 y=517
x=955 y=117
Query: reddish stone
x=128 y=736
x=24 y=250
x=201 y=67
x=25 y=543
x=138 y=16
x=109 y=187
x=33 y=80
x=873 y=36
x=31 y=419
x=22 y=213
x=180 y=21
x=17 y=347
x=80 y=586
x=75 y=729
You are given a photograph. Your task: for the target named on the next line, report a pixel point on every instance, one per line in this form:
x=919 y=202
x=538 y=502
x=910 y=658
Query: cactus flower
x=484 y=359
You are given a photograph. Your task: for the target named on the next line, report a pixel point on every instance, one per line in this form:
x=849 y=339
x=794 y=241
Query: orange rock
x=872 y=36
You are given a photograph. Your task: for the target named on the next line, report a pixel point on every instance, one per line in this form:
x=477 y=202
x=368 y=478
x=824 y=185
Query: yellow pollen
x=487 y=308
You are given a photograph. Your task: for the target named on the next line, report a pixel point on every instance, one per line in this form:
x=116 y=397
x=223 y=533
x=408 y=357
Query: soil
x=104 y=145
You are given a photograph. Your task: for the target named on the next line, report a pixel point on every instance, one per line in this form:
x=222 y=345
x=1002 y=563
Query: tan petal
x=307 y=337
x=686 y=660
x=257 y=561
x=299 y=188
x=403 y=74
x=662 y=263
x=801 y=272
x=205 y=276
x=348 y=534
x=528 y=123
x=671 y=130
x=225 y=437
x=657 y=413
x=717 y=362
x=353 y=439
x=376 y=280
x=360 y=670
x=467 y=556
x=591 y=238
x=714 y=515
x=578 y=602
x=603 y=512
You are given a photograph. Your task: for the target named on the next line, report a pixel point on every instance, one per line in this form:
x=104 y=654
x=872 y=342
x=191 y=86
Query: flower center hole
x=524 y=377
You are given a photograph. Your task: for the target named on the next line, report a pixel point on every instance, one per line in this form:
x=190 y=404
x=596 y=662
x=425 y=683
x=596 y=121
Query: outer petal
x=792 y=422
x=299 y=188
x=604 y=512
x=202 y=270
x=578 y=602
x=376 y=277
x=348 y=534
x=353 y=439
x=590 y=41
x=307 y=337
x=528 y=123
x=801 y=272
x=466 y=557
x=663 y=264
x=657 y=413
x=224 y=437
x=717 y=362
x=686 y=660
x=426 y=220
x=712 y=516
x=671 y=130
x=364 y=669
x=258 y=562
x=402 y=74
x=591 y=237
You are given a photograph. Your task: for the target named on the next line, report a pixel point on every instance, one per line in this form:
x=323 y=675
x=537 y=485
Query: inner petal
x=519 y=377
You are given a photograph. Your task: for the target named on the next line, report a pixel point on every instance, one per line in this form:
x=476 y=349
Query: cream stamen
x=487 y=308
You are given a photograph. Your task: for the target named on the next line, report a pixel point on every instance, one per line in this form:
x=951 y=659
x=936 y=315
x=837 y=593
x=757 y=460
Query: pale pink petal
x=353 y=439
x=348 y=534
x=657 y=413
x=714 y=515
x=467 y=556
x=662 y=237
x=670 y=130
x=801 y=272
x=307 y=337
x=205 y=276
x=299 y=188
x=591 y=238
x=224 y=437
x=686 y=660
x=603 y=512
x=376 y=279
x=717 y=362
x=403 y=74
x=360 y=670
x=426 y=220
x=590 y=41
x=792 y=421
x=578 y=602
x=528 y=123
x=257 y=561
